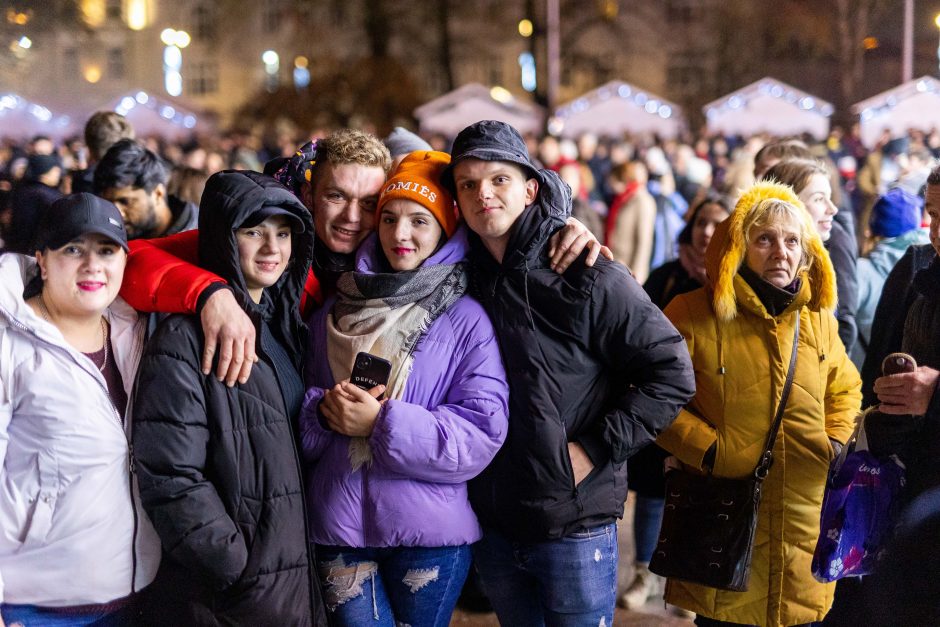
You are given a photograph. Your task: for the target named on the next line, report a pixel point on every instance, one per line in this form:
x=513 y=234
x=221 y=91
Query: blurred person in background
x=135 y=179
x=30 y=198
x=401 y=142
x=895 y=226
x=187 y=184
x=811 y=181
x=630 y=221
x=575 y=174
x=670 y=207
x=645 y=475
x=103 y=130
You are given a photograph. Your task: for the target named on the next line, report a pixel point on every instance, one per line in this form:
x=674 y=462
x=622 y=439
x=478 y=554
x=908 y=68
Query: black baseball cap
x=72 y=216
x=490 y=140
x=259 y=216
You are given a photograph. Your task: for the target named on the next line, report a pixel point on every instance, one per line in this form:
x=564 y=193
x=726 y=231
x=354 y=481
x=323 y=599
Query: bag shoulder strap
x=767 y=458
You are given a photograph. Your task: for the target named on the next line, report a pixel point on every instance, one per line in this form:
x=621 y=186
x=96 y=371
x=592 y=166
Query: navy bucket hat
x=490 y=140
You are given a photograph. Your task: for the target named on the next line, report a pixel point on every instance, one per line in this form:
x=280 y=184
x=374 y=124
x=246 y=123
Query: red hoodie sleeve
x=161 y=274
x=312 y=296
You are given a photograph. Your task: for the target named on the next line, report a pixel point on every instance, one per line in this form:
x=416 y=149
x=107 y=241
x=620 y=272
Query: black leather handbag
x=707 y=533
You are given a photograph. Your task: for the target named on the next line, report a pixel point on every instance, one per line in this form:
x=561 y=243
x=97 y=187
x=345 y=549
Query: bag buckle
x=763 y=468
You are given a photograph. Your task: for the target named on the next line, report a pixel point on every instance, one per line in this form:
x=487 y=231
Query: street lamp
x=272 y=65
x=175 y=41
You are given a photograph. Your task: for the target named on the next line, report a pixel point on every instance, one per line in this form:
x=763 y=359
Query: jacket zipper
x=130 y=448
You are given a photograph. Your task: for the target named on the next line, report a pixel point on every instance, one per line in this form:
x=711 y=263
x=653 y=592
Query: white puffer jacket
x=70 y=531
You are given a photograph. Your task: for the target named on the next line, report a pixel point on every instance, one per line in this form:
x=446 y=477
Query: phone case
x=370 y=371
x=896 y=363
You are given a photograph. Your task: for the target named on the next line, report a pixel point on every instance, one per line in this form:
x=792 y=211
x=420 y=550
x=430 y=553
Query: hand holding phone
x=369 y=371
x=896 y=363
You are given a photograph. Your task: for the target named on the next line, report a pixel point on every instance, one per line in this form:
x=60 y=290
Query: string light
x=772 y=88
x=884 y=102
x=651 y=105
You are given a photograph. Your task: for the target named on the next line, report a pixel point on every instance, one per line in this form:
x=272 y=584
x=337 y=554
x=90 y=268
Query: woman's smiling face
x=408 y=233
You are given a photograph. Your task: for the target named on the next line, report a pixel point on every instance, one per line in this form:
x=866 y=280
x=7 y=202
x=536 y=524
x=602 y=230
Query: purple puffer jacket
x=446 y=430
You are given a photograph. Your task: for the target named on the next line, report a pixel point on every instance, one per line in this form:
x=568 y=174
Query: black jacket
x=218 y=467
x=843 y=251
x=589 y=359
x=887 y=329
x=185 y=215
x=916 y=439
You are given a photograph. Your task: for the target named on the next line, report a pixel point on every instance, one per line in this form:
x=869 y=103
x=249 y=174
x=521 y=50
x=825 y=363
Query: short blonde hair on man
x=352 y=146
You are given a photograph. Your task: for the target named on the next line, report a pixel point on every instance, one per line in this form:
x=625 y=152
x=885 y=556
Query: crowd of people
x=187 y=436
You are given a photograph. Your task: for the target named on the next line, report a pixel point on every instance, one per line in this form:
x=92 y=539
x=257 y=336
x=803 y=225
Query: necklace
x=44 y=312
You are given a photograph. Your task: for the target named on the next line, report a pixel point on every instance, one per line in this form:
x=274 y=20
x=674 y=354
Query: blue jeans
x=417 y=586
x=647 y=518
x=567 y=582
x=33 y=616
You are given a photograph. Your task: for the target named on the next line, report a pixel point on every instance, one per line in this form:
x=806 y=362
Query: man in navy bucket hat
x=595 y=371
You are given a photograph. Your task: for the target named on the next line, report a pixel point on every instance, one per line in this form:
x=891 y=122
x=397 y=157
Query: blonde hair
x=773 y=211
x=347 y=145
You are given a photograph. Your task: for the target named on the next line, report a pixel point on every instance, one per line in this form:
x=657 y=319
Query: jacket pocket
x=43 y=503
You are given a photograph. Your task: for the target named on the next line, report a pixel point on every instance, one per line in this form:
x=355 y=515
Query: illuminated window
x=203 y=78
x=113 y=9
x=204 y=23
x=115 y=63
x=70 y=67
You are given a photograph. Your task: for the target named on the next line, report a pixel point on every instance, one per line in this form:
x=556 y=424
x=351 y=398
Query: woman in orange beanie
x=387 y=479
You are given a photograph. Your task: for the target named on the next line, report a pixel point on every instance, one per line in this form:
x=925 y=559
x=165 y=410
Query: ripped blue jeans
x=569 y=582
x=389 y=587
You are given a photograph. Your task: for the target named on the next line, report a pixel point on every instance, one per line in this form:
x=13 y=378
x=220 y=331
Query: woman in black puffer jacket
x=218 y=466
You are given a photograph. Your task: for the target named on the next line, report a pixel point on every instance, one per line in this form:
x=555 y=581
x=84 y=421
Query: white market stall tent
x=154 y=115
x=21 y=118
x=615 y=108
x=769 y=106
x=451 y=113
x=914 y=104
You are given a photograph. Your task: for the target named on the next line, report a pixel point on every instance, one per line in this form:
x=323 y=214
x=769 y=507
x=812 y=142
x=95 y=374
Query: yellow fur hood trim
x=726 y=253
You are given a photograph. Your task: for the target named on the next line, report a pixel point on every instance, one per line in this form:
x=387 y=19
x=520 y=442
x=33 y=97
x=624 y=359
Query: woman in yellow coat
x=766 y=265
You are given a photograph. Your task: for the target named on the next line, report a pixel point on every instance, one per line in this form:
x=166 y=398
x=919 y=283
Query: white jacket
x=70 y=531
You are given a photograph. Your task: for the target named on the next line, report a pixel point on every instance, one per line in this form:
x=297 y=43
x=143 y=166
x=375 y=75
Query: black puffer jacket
x=916 y=439
x=218 y=467
x=589 y=359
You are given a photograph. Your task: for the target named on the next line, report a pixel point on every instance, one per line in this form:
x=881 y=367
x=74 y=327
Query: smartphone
x=896 y=363
x=369 y=371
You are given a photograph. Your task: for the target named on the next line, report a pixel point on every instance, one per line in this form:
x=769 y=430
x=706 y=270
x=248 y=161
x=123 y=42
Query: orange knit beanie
x=418 y=178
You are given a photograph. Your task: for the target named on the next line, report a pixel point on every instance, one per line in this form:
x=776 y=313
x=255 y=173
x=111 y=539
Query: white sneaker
x=646 y=585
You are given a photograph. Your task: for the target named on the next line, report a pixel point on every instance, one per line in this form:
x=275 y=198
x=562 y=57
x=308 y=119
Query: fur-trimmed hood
x=726 y=252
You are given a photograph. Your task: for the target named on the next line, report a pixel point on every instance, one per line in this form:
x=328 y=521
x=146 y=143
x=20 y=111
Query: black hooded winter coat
x=589 y=359
x=218 y=467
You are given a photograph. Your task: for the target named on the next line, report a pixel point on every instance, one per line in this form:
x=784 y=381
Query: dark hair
x=129 y=164
x=103 y=130
x=711 y=198
x=783 y=150
x=187 y=184
x=934 y=177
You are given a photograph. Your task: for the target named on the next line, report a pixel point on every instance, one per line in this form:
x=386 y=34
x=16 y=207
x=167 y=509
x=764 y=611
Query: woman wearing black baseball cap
x=75 y=547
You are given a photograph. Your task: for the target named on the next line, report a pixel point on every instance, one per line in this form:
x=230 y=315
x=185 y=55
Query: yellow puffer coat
x=740 y=360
